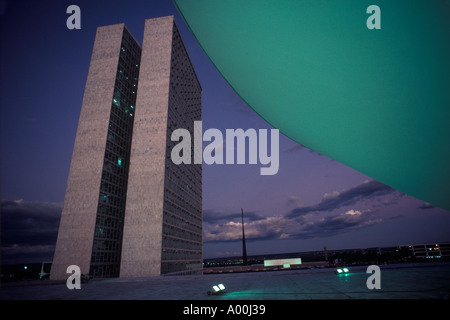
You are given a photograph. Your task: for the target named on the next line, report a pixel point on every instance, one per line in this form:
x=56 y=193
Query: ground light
x=217 y=289
x=342 y=270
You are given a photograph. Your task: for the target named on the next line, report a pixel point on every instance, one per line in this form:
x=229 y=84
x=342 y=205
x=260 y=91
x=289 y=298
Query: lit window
x=119 y=161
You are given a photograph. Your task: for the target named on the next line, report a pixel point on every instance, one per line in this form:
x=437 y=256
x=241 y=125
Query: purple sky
x=312 y=201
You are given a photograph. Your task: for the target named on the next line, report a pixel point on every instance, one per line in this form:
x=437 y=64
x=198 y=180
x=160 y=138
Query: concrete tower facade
x=128 y=210
x=163 y=222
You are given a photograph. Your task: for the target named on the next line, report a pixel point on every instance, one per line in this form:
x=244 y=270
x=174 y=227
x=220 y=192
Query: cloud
x=425 y=206
x=218 y=226
x=318 y=220
x=211 y=216
x=292 y=148
x=227 y=253
x=264 y=228
x=294 y=201
x=332 y=195
x=281 y=227
x=335 y=200
x=343 y=222
x=29 y=230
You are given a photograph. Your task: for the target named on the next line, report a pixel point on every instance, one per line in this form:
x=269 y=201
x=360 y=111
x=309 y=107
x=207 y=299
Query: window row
x=104 y=211
x=169 y=242
x=186 y=179
x=105 y=257
x=173 y=208
x=182 y=233
x=175 y=219
x=108 y=233
x=188 y=189
x=171 y=254
x=184 y=267
x=121 y=142
x=113 y=189
x=114 y=179
x=106 y=245
x=122 y=148
x=118 y=201
x=104 y=270
x=182 y=202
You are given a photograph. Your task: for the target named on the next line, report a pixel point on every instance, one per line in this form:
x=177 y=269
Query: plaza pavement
x=424 y=281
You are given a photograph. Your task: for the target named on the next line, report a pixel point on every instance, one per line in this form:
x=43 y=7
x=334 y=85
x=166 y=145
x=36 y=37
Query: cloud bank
x=335 y=200
x=338 y=212
x=29 y=230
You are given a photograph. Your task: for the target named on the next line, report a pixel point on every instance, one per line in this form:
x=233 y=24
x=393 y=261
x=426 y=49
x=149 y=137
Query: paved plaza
x=424 y=281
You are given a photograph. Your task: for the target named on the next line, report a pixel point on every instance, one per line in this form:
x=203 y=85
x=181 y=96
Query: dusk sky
x=313 y=201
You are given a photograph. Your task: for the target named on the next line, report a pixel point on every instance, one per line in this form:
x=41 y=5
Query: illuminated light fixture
x=217 y=289
x=342 y=270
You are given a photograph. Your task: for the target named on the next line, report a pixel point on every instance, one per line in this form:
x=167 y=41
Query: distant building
x=129 y=210
x=285 y=263
x=430 y=251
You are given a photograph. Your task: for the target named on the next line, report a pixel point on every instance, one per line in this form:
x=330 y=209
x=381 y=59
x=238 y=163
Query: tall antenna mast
x=244 y=249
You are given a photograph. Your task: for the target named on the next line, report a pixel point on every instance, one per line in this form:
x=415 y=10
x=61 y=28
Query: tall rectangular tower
x=129 y=210
x=163 y=222
x=90 y=231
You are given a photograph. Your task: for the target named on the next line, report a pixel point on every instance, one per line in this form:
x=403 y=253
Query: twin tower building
x=129 y=211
